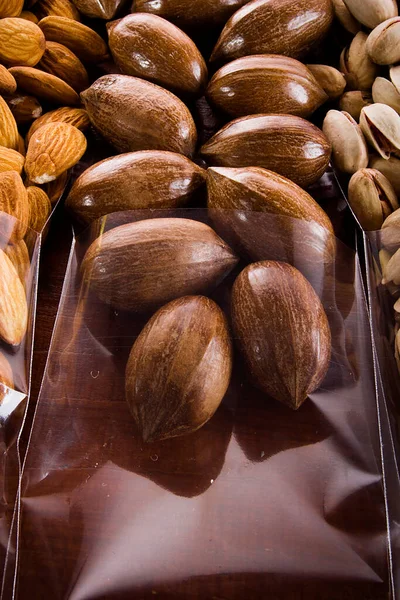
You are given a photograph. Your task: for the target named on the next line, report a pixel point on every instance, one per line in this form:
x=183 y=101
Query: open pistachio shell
x=349 y=149
x=352 y=102
x=384 y=92
x=372 y=12
x=381 y=126
x=372 y=198
x=357 y=65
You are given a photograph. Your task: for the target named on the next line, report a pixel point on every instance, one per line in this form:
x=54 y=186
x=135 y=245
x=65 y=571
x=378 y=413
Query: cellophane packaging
x=18 y=284
x=261 y=502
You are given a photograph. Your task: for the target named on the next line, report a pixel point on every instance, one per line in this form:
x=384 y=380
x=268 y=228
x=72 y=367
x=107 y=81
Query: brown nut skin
x=265 y=83
x=282 y=331
x=24 y=108
x=190 y=13
x=133 y=114
x=61 y=62
x=141 y=266
x=266 y=27
x=280 y=143
x=99 y=9
x=137 y=180
x=44 y=86
x=292 y=223
x=179 y=368
x=56 y=8
x=88 y=46
x=147 y=46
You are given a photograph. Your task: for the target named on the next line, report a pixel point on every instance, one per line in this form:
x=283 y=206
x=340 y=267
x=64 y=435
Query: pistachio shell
x=186 y=371
x=137 y=180
x=282 y=331
x=372 y=198
x=330 y=79
x=384 y=92
x=353 y=102
x=288 y=145
x=345 y=17
x=395 y=77
x=349 y=149
x=392 y=271
x=381 y=126
x=142 y=265
x=383 y=44
x=190 y=13
x=372 y=12
x=133 y=114
x=390 y=233
x=390 y=168
x=357 y=65
x=274 y=27
x=150 y=47
x=265 y=83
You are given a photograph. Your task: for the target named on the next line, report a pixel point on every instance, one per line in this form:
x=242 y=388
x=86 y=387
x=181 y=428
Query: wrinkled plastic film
x=261 y=499
x=16 y=361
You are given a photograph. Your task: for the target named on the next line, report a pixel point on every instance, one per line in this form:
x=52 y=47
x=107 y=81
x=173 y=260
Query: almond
x=19 y=256
x=39 y=208
x=60 y=61
x=55 y=189
x=81 y=40
x=13 y=306
x=187 y=370
x=8 y=126
x=11 y=160
x=133 y=114
x=29 y=16
x=8 y=85
x=99 y=9
x=77 y=117
x=282 y=331
x=58 y=8
x=24 y=108
x=52 y=149
x=6 y=377
x=11 y=8
x=14 y=201
x=137 y=180
x=44 y=86
x=21 y=42
x=141 y=266
x=176 y=62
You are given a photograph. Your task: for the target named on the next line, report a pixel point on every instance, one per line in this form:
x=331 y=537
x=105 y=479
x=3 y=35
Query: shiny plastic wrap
x=18 y=288
x=261 y=502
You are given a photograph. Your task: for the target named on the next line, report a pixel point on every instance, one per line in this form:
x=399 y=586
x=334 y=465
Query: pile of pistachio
x=365 y=132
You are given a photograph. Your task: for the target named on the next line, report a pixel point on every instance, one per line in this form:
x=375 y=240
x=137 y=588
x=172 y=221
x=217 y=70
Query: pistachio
x=330 y=79
x=394 y=73
x=345 y=17
x=372 y=12
x=384 y=92
x=390 y=232
x=383 y=44
x=397 y=349
x=357 y=65
x=392 y=271
x=384 y=257
x=381 y=126
x=372 y=198
x=390 y=168
x=349 y=149
x=353 y=102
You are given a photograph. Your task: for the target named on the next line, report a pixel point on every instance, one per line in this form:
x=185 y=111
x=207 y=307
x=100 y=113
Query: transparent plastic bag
x=18 y=274
x=260 y=502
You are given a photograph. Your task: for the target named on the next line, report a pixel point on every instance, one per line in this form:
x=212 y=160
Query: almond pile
x=44 y=50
